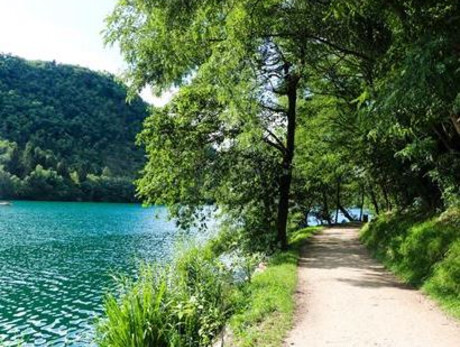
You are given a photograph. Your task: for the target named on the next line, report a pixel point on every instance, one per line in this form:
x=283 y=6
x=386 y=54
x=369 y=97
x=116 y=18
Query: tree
x=251 y=55
x=382 y=89
x=403 y=99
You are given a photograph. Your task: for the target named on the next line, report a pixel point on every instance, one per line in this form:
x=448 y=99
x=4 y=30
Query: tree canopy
x=67 y=133
x=295 y=106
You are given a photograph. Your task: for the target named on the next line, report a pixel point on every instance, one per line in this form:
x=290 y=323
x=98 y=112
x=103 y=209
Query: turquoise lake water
x=57 y=261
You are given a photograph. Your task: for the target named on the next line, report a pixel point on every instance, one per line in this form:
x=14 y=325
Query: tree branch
x=341 y=49
x=275 y=145
x=279 y=142
x=274 y=109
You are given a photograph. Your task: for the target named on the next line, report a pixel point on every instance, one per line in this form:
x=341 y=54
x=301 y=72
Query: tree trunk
x=386 y=197
x=456 y=122
x=346 y=214
x=362 y=204
x=338 y=202
x=286 y=176
x=283 y=208
x=306 y=224
x=325 y=213
x=374 y=200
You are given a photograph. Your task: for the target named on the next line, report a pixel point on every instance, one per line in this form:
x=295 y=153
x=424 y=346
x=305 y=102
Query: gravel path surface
x=345 y=298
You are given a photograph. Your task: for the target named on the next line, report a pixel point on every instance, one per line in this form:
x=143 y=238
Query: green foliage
x=44 y=183
x=9 y=184
x=424 y=251
x=190 y=301
x=270 y=304
x=426 y=245
x=228 y=136
x=385 y=234
x=444 y=284
x=302 y=105
x=267 y=302
x=383 y=106
x=185 y=304
x=60 y=122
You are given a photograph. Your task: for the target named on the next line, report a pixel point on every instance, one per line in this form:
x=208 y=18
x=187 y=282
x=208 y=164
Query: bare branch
x=274 y=145
x=341 y=49
x=278 y=141
x=276 y=109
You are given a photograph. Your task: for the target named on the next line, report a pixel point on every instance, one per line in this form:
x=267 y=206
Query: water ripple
x=56 y=261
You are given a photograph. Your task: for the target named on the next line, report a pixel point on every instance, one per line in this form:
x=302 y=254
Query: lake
x=57 y=262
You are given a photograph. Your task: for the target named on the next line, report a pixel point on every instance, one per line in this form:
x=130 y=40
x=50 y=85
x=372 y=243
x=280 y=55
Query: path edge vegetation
x=423 y=250
x=191 y=301
x=269 y=311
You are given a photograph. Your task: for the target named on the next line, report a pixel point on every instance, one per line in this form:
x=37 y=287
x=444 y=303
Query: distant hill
x=66 y=133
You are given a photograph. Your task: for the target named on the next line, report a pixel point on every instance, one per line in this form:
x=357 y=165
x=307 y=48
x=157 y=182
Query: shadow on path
x=333 y=251
x=346 y=298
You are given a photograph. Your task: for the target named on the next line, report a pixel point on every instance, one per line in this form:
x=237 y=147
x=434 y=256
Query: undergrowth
x=423 y=251
x=185 y=304
x=267 y=302
x=189 y=302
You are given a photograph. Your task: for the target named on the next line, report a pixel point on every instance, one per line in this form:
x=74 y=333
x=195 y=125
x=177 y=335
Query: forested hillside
x=66 y=133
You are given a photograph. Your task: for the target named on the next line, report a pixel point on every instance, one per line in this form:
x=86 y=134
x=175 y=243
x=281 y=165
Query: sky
x=67 y=31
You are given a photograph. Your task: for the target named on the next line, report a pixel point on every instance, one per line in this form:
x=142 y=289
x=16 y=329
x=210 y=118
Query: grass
x=185 y=304
x=444 y=284
x=267 y=302
x=423 y=251
x=189 y=302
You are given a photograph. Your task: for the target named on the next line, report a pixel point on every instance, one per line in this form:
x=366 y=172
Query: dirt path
x=345 y=298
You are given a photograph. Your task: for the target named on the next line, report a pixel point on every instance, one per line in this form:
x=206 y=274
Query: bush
x=185 y=304
x=385 y=234
x=189 y=302
x=426 y=244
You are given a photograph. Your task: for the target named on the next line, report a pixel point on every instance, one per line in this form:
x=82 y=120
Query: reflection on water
x=56 y=262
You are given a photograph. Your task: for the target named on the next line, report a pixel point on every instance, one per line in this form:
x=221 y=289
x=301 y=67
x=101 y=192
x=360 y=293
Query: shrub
x=385 y=234
x=185 y=304
x=189 y=302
